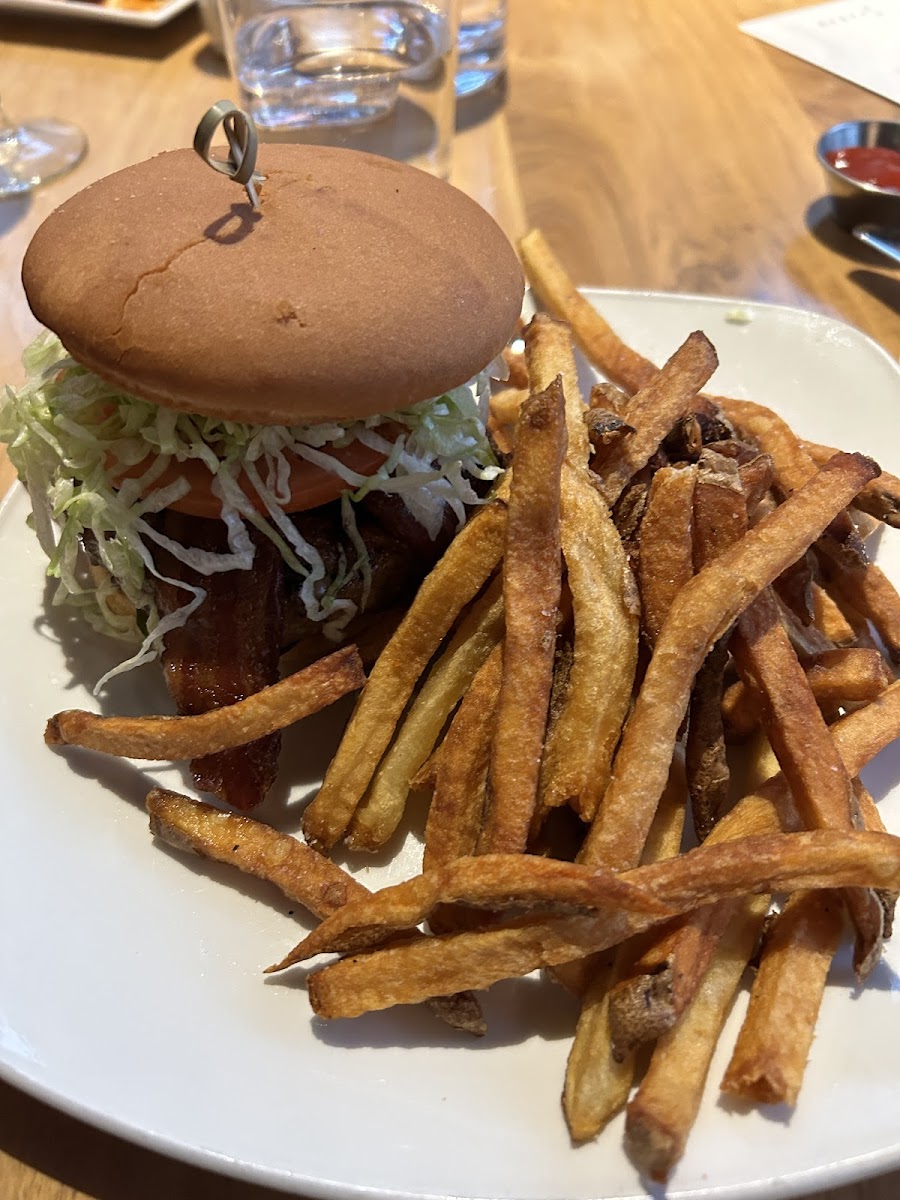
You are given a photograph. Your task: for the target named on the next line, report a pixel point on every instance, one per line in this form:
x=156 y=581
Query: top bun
x=360 y=286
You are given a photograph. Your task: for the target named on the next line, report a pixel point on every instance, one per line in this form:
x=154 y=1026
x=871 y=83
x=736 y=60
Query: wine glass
x=36 y=151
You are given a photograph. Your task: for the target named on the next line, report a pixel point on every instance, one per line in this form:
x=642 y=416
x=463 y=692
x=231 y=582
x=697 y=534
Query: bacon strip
x=227 y=650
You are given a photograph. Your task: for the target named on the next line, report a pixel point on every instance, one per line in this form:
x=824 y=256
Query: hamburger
x=242 y=428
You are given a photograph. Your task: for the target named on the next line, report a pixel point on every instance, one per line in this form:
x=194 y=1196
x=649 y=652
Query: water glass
x=374 y=75
x=482 y=45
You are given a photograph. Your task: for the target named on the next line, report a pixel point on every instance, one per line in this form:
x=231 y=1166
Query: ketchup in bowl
x=876 y=165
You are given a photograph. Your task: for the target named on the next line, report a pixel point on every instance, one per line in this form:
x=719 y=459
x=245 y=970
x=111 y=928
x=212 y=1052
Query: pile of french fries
x=663 y=581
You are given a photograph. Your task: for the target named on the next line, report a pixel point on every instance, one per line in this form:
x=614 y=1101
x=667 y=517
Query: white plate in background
x=130 y=985
x=148 y=18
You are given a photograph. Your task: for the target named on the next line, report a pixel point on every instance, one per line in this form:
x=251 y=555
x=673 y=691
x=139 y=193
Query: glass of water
x=33 y=152
x=374 y=75
x=482 y=45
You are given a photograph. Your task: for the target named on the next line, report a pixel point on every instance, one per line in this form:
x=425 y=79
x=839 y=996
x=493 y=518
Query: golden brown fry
x=471 y=558
x=583 y=739
x=664 y=979
x=558 y=294
x=829 y=618
x=805 y=749
x=597 y=1081
x=685 y=950
x=880 y=498
x=254 y=848
x=705 y=758
x=604 y=430
x=607 y=396
x=178 y=738
x=870 y=593
x=531 y=591
x=701 y=613
x=381 y=810
x=867 y=816
x=549 y=353
x=757 y=477
x=305 y=877
x=661 y=1115
x=770 y=1055
x=665 y=547
x=460 y=784
x=793 y=467
x=505 y=404
x=839 y=678
x=719 y=521
x=620 y=905
x=654 y=410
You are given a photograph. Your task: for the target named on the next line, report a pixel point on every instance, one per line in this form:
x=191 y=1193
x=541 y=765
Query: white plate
x=80 y=11
x=130 y=986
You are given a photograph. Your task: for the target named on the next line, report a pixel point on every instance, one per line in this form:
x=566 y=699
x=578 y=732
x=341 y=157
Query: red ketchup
x=878 y=165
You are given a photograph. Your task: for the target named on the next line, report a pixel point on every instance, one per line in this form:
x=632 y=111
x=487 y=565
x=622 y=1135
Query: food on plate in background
x=260 y=427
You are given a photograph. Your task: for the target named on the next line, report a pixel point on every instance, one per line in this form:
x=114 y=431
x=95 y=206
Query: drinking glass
x=482 y=45
x=36 y=151
x=374 y=75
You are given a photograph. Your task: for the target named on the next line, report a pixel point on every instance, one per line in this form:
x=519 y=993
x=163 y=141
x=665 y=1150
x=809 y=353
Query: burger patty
x=230 y=647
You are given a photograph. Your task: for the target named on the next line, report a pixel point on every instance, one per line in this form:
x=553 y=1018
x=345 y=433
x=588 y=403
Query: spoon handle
x=887 y=241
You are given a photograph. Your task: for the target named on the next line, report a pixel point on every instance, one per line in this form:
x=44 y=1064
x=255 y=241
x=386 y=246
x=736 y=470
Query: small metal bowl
x=855 y=203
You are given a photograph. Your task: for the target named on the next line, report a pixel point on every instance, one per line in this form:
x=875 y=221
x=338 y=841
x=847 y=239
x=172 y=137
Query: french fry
x=867 y=816
x=621 y=905
x=838 y=678
x=381 y=810
x=794 y=467
x=302 y=875
x=549 y=353
x=870 y=593
x=583 y=739
x=707 y=765
x=806 y=752
x=686 y=950
x=460 y=785
x=661 y=1115
x=719 y=521
x=757 y=476
x=179 y=738
x=655 y=409
x=604 y=429
x=531 y=593
x=558 y=294
x=598 y=1081
x=471 y=558
x=665 y=553
x=880 y=498
x=701 y=613
x=770 y=1055
x=663 y=981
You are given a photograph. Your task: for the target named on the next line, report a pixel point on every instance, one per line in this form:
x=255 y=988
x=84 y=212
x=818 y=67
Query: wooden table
x=656 y=145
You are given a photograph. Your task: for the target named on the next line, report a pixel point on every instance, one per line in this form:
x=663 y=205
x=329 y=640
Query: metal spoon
x=887 y=241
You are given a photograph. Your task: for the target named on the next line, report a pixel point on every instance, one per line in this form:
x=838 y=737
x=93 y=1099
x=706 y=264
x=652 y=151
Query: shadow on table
x=822 y=225
x=884 y=288
x=480 y=107
x=13 y=209
x=99 y=1164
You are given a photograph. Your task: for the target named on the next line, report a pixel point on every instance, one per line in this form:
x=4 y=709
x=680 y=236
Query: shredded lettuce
x=70 y=434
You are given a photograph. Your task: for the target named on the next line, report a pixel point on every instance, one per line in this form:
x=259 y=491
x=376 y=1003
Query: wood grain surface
x=656 y=145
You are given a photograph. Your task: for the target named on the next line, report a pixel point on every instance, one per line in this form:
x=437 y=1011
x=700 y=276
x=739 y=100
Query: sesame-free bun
x=360 y=286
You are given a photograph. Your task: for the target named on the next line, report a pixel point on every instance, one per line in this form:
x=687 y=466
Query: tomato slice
x=310 y=485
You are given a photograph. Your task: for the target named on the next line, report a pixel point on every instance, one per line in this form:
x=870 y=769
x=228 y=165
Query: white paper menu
x=855 y=39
